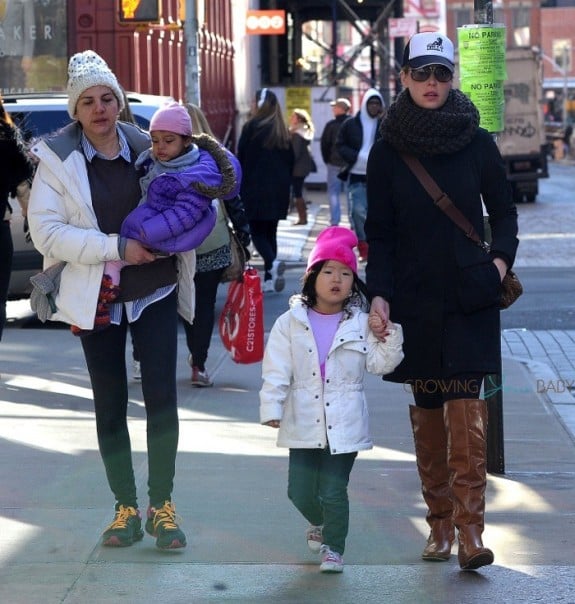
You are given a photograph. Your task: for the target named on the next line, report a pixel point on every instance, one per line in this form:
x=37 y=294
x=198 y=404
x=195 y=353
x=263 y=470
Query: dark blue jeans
x=357 y=202
x=317 y=486
x=155 y=336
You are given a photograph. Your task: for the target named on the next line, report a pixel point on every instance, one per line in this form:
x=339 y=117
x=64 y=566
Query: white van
x=37 y=115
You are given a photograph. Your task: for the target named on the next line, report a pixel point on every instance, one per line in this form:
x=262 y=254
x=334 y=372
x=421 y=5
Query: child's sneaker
x=314 y=538
x=277 y=271
x=125 y=529
x=161 y=523
x=201 y=379
x=331 y=562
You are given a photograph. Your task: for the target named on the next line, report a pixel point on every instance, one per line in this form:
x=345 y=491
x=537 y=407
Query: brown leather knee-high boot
x=466 y=423
x=430 y=439
x=301 y=210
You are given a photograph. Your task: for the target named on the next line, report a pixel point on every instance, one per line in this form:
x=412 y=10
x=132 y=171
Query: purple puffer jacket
x=178 y=215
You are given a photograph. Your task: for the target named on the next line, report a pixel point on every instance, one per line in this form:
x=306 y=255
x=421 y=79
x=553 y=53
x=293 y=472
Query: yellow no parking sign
x=482 y=71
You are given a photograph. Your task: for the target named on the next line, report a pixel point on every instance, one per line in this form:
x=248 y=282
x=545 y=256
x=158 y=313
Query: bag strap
x=224 y=210
x=442 y=200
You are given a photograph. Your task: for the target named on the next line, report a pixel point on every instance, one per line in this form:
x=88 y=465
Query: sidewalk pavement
x=245 y=540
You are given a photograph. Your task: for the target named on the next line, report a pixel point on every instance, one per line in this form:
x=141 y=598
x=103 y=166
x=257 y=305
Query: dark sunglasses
x=441 y=73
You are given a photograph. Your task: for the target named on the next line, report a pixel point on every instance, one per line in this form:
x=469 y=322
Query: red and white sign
x=266 y=22
x=402 y=28
x=421 y=8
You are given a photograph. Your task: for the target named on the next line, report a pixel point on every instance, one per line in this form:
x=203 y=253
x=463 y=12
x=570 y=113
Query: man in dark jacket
x=334 y=162
x=354 y=141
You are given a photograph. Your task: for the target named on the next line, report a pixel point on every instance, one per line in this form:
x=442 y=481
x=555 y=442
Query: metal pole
x=274 y=68
x=334 y=45
x=566 y=50
x=192 y=58
x=493 y=384
x=483 y=12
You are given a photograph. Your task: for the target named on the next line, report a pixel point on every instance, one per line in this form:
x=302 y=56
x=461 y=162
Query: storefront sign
x=266 y=22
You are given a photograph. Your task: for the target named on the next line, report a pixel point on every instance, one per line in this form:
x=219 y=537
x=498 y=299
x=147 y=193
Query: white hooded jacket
x=314 y=413
x=369 y=130
x=64 y=227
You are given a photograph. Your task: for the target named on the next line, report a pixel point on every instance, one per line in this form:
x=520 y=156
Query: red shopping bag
x=241 y=323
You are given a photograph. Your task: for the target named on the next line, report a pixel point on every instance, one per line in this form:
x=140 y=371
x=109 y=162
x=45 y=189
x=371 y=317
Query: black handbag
x=235 y=270
x=511 y=287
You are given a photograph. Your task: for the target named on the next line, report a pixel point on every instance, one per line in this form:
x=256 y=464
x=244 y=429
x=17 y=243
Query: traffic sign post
x=493 y=384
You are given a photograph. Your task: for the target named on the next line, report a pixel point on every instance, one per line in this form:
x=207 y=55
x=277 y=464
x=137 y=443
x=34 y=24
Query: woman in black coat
x=424 y=273
x=266 y=156
x=15 y=171
x=301 y=130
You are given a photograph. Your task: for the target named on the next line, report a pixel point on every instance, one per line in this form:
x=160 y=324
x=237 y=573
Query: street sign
x=402 y=28
x=266 y=22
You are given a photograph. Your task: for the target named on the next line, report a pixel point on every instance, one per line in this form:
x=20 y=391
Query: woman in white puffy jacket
x=313 y=369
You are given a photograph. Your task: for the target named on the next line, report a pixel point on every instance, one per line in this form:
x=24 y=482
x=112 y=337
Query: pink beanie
x=335 y=243
x=172 y=117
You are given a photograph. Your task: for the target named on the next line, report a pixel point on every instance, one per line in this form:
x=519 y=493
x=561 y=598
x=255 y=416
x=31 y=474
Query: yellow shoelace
x=122 y=516
x=165 y=516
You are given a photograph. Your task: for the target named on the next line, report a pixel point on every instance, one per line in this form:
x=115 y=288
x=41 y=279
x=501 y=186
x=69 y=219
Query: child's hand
x=273 y=423
x=379 y=327
x=378 y=318
x=376 y=323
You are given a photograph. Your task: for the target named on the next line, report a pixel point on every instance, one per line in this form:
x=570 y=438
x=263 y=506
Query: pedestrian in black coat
x=424 y=273
x=301 y=131
x=15 y=170
x=267 y=159
x=332 y=159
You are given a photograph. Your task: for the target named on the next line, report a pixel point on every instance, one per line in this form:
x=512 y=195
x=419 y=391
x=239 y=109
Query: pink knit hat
x=335 y=243
x=172 y=117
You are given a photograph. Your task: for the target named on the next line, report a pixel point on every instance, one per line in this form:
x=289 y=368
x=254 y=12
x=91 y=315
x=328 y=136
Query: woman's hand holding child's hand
x=378 y=318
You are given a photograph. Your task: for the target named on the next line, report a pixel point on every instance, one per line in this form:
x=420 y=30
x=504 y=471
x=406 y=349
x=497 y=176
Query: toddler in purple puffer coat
x=183 y=173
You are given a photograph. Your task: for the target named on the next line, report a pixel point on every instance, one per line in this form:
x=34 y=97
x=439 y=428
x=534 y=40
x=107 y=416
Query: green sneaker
x=161 y=523
x=125 y=529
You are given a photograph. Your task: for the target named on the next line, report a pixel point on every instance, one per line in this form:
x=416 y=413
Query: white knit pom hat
x=87 y=69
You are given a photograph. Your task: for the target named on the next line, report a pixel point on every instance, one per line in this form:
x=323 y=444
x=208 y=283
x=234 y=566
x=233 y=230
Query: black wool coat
x=329 y=152
x=266 y=174
x=442 y=288
x=350 y=138
x=15 y=166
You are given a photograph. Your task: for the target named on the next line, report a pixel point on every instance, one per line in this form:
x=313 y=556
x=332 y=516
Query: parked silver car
x=37 y=115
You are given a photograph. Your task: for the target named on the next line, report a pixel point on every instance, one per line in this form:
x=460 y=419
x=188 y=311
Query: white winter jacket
x=315 y=414
x=63 y=226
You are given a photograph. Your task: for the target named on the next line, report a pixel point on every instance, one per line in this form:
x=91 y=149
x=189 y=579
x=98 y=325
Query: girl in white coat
x=313 y=369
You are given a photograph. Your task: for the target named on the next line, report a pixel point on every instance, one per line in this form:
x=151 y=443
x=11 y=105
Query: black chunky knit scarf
x=427 y=132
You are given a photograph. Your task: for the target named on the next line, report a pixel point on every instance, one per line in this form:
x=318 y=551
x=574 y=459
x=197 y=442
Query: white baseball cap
x=341 y=102
x=429 y=48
